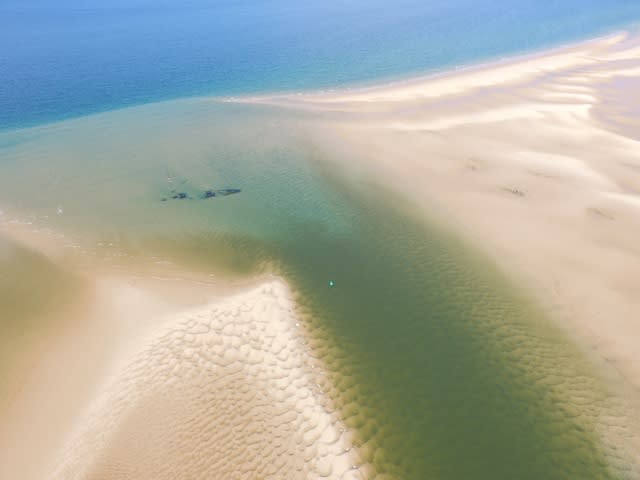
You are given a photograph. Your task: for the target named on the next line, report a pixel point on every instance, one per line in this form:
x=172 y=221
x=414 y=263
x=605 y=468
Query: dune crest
x=223 y=391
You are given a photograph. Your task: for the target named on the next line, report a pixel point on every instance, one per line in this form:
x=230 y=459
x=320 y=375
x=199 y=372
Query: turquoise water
x=440 y=367
x=68 y=58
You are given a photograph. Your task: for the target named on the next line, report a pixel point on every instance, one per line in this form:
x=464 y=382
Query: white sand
x=524 y=159
x=223 y=391
x=536 y=161
x=169 y=377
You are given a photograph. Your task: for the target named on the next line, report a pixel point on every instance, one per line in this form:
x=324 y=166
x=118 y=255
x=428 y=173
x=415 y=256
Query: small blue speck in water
x=331 y=283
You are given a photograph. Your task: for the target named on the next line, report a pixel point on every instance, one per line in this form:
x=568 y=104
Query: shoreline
x=409 y=80
x=247 y=328
x=519 y=170
x=386 y=108
x=526 y=161
x=258 y=378
x=357 y=86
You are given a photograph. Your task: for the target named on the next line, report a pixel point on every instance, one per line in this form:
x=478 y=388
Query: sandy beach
x=535 y=161
x=227 y=390
x=222 y=372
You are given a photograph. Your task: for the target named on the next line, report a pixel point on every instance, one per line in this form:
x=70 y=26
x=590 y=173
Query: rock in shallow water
x=223 y=192
x=227 y=191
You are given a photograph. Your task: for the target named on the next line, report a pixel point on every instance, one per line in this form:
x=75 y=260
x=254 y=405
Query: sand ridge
x=451 y=83
x=223 y=391
x=145 y=385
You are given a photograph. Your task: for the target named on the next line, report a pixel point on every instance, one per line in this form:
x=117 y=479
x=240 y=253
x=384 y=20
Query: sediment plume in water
x=438 y=367
x=35 y=294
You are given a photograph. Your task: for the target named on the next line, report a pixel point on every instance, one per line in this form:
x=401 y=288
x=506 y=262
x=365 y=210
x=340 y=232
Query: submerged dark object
x=223 y=192
x=209 y=194
x=227 y=191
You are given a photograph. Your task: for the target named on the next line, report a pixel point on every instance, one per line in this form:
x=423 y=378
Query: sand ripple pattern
x=227 y=392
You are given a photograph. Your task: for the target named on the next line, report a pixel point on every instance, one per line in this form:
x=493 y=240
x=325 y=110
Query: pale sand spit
x=227 y=390
x=170 y=377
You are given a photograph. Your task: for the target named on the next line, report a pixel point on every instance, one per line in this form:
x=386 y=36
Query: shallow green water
x=33 y=291
x=441 y=368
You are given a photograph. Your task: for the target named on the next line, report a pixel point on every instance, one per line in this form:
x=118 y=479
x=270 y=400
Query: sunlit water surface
x=440 y=368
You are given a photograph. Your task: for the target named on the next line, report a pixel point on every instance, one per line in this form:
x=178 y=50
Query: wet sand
x=219 y=375
x=536 y=160
x=416 y=358
x=225 y=390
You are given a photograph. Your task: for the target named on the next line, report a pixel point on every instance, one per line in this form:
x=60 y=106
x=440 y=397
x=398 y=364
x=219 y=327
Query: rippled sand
x=137 y=386
x=534 y=160
x=433 y=363
x=222 y=391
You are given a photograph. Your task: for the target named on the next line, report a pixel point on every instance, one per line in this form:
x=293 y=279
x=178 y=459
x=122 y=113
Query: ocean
x=439 y=365
x=73 y=57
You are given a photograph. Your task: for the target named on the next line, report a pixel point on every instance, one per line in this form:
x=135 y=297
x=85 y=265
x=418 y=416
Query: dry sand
x=535 y=160
x=222 y=391
x=161 y=377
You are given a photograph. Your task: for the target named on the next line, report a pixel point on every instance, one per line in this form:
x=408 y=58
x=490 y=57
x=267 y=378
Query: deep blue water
x=65 y=58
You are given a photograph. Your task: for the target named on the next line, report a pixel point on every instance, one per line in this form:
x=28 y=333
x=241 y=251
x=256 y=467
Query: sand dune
x=170 y=377
x=222 y=391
